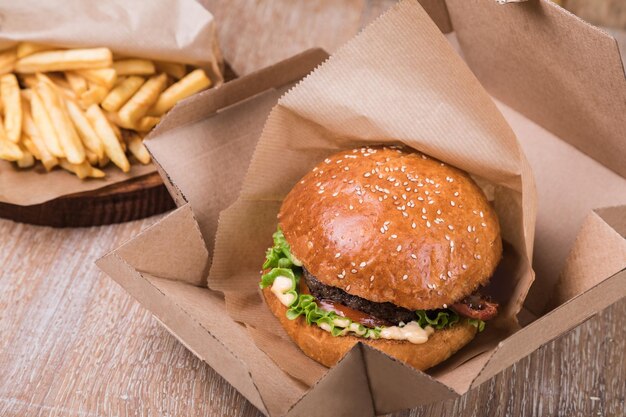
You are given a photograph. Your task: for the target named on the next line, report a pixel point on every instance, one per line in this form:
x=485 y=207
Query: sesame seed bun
x=326 y=349
x=390 y=224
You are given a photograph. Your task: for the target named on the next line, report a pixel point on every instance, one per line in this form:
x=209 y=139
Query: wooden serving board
x=133 y=199
x=129 y=200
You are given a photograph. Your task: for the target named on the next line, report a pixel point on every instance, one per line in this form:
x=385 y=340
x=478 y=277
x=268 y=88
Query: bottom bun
x=327 y=349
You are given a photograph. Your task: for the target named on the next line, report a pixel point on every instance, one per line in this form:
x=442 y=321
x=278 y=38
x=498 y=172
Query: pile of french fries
x=80 y=109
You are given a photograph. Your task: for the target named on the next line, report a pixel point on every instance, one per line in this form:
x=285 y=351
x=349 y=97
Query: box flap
x=598 y=252
x=225 y=122
x=553 y=67
x=343 y=391
x=570 y=185
x=553 y=325
x=155 y=256
x=197 y=317
x=396 y=386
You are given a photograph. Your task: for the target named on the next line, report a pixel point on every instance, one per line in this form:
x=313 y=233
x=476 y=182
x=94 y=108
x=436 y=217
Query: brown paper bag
x=181 y=31
x=399 y=81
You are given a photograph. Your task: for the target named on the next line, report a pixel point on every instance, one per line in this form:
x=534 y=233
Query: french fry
x=12 y=105
x=44 y=125
x=29 y=48
x=90 y=138
x=193 y=82
x=121 y=93
x=76 y=82
x=92 y=158
x=116 y=122
x=71 y=59
x=27 y=160
x=26 y=94
x=104 y=161
x=134 y=67
x=68 y=137
x=139 y=104
x=8 y=58
x=81 y=170
x=8 y=150
x=137 y=148
x=111 y=143
x=105 y=76
x=146 y=123
x=94 y=95
x=27 y=80
x=31 y=136
x=30 y=146
x=95 y=172
x=173 y=69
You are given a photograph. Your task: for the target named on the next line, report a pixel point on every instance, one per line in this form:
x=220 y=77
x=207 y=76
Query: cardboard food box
x=558 y=82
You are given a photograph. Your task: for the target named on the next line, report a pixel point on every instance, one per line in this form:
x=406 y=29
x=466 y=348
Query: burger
x=385 y=246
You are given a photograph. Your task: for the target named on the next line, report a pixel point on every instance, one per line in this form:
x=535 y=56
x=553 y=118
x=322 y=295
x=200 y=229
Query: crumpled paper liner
x=181 y=31
x=399 y=81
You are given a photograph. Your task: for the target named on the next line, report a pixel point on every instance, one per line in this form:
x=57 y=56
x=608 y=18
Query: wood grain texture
x=73 y=343
x=133 y=199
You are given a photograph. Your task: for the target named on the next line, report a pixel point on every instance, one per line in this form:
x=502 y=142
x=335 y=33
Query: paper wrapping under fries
x=418 y=93
x=180 y=31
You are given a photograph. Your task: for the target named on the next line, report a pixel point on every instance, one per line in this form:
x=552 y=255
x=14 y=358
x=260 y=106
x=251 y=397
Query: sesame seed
x=405 y=277
x=413 y=225
x=413 y=256
x=423 y=210
x=394 y=236
x=464 y=266
x=382 y=230
x=483 y=224
x=346 y=168
x=477 y=256
x=404 y=214
x=469 y=229
x=450 y=227
x=456 y=193
x=481 y=214
x=424 y=217
x=367 y=175
x=399 y=248
x=362 y=264
x=438 y=211
x=335 y=194
x=447 y=237
x=327 y=160
x=449 y=274
x=348 y=288
x=321 y=191
x=353 y=271
x=427 y=223
x=452 y=203
x=351 y=207
x=372 y=278
x=338 y=254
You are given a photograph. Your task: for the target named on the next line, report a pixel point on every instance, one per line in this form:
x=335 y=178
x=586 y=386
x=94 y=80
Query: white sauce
x=280 y=286
x=411 y=332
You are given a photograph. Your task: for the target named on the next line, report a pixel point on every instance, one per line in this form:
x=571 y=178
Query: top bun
x=390 y=224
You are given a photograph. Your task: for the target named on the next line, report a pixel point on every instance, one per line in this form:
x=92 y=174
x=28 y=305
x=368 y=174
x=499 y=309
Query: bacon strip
x=476 y=306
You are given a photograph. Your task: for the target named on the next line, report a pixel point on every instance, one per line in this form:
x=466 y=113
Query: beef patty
x=385 y=311
x=475 y=306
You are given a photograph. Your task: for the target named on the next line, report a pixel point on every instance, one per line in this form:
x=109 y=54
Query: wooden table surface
x=73 y=343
